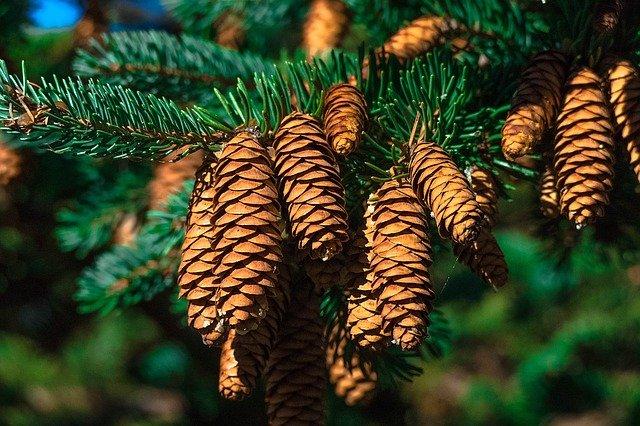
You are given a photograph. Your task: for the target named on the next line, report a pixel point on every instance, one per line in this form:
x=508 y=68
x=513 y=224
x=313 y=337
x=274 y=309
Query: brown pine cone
x=126 y=231
x=535 y=104
x=356 y=262
x=324 y=274
x=353 y=378
x=485 y=258
x=584 y=150
x=169 y=177
x=311 y=187
x=624 y=88
x=345 y=117
x=441 y=186
x=364 y=319
x=485 y=187
x=326 y=25
x=93 y=24
x=549 y=197
x=607 y=15
x=9 y=164
x=244 y=356
x=247 y=251
x=295 y=373
x=400 y=258
x=229 y=29
x=195 y=274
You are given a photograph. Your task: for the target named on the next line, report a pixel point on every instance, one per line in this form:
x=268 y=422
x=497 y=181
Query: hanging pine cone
x=624 y=88
x=9 y=164
x=584 y=150
x=364 y=319
x=400 y=258
x=355 y=265
x=485 y=187
x=438 y=183
x=352 y=377
x=324 y=274
x=607 y=15
x=326 y=25
x=485 y=258
x=345 y=117
x=420 y=36
x=170 y=176
x=229 y=29
x=247 y=235
x=195 y=274
x=311 y=187
x=549 y=197
x=295 y=372
x=244 y=356
x=535 y=104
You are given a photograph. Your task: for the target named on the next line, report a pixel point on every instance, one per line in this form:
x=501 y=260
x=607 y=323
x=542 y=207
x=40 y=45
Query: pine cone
x=126 y=230
x=195 y=274
x=353 y=378
x=9 y=164
x=485 y=258
x=400 y=258
x=535 y=104
x=169 y=177
x=324 y=274
x=244 y=356
x=311 y=187
x=92 y=25
x=345 y=117
x=584 y=150
x=549 y=198
x=364 y=319
x=443 y=188
x=356 y=262
x=229 y=29
x=247 y=251
x=326 y=25
x=607 y=15
x=624 y=89
x=295 y=372
x=420 y=36
x=485 y=187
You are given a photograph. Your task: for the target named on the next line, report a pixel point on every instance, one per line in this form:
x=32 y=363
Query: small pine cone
x=311 y=187
x=485 y=258
x=353 y=378
x=324 y=274
x=295 y=373
x=584 y=149
x=607 y=15
x=229 y=29
x=345 y=117
x=420 y=36
x=400 y=256
x=92 y=25
x=326 y=25
x=244 y=356
x=535 y=104
x=485 y=187
x=195 y=274
x=624 y=88
x=364 y=319
x=439 y=184
x=247 y=251
x=549 y=198
x=169 y=177
x=9 y=164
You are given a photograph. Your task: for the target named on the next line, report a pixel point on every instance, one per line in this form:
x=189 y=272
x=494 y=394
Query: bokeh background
x=560 y=345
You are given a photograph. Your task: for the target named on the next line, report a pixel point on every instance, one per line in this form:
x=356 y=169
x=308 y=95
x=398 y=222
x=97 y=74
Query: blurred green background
x=560 y=345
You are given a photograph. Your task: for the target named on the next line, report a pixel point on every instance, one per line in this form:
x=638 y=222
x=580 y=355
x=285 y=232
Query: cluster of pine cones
x=267 y=233
x=588 y=112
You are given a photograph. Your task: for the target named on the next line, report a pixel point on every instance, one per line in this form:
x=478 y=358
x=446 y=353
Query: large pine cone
x=400 y=258
x=326 y=25
x=244 y=356
x=624 y=89
x=535 y=104
x=295 y=373
x=485 y=258
x=247 y=251
x=584 y=150
x=440 y=185
x=311 y=187
x=345 y=117
x=353 y=377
